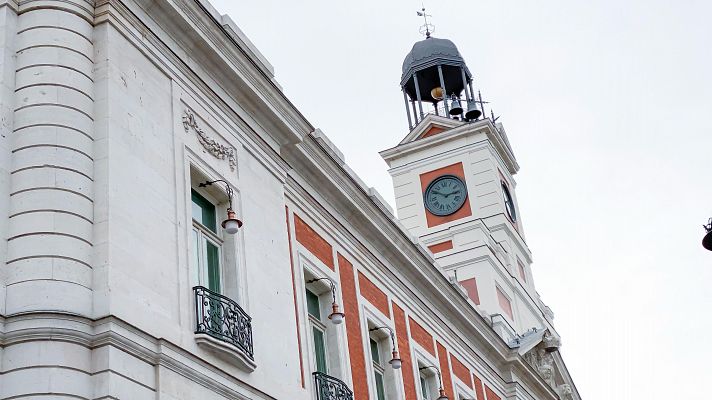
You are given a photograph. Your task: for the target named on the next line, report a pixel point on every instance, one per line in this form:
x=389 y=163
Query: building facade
x=131 y=127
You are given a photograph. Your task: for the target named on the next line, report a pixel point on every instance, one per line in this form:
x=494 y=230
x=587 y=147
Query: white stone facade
x=111 y=110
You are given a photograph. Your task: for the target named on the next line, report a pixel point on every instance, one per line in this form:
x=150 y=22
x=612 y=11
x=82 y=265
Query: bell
x=707 y=240
x=455 y=108
x=437 y=93
x=472 y=111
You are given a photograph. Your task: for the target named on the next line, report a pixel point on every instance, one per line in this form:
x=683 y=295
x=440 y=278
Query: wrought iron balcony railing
x=330 y=388
x=223 y=319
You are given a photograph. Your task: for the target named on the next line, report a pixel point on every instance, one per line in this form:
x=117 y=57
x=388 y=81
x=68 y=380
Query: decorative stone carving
x=211 y=145
x=565 y=391
x=543 y=362
x=546 y=366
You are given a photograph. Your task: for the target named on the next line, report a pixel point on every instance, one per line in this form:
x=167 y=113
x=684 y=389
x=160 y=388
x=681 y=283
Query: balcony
x=330 y=388
x=223 y=327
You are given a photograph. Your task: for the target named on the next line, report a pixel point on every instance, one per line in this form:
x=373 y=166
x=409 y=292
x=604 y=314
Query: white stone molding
x=226 y=351
x=80 y=332
x=218 y=150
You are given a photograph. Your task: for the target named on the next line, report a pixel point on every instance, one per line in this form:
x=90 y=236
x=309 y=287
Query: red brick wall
x=353 y=329
x=460 y=370
x=426 y=178
x=478 y=388
x=438 y=247
x=313 y=242
x=490 y=394
x=420 y=335
x=294 y=292
x=409 y=387
x=445 y=370
x=373 y=294
x=433 y=131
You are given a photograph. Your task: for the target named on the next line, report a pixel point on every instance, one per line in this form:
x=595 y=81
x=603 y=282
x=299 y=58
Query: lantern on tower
x=434 y=72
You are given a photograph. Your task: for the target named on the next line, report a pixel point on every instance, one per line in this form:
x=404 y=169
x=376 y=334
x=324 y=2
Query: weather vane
x=427 y=28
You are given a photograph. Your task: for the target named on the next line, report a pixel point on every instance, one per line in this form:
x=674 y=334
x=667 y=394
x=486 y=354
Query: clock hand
x=440 y=193
x=451 y=193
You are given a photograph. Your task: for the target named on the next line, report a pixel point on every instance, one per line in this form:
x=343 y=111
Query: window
x=424 y=389
x=318 y=331
x=378 y=369
x=509 y=203
x=504 y=303
x=207 y=245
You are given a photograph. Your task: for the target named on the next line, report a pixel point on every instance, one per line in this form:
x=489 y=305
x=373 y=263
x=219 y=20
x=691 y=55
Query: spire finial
x=427 y=28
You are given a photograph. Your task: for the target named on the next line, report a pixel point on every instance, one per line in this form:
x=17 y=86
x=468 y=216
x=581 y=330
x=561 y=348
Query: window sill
x=226 y=352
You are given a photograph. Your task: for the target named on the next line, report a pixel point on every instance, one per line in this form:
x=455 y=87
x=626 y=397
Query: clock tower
x=453 y=178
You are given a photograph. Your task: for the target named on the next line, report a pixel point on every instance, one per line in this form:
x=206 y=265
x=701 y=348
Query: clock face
x=445 y=195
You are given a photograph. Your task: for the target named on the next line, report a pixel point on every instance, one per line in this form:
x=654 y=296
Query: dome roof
x=429 y=52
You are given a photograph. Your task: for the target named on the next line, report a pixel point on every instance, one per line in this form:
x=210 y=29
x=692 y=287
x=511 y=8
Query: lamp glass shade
x=231 y=226
x=336 y=318
x=396 y=363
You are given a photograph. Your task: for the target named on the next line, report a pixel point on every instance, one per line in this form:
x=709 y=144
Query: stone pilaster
x=48 y=265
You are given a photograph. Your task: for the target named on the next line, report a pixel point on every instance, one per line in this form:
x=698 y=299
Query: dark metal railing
x=223 y=319
x=330 y=388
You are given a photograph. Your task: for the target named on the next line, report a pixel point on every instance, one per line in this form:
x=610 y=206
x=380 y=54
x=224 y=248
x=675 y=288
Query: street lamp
x=395 y=359
x=441 y=391
x=707 y=240
x=231 y=224
x=336 y=317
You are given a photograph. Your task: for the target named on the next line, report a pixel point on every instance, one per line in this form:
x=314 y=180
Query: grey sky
x=607 y=105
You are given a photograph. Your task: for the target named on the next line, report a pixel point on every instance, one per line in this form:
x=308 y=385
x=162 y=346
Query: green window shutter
x=213 y=267
x=320 y=350
x=380 y=391
x=203 y=210
x=313 y=305
x=375 y=355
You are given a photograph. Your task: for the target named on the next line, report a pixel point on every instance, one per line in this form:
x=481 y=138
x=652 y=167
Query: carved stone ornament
x=545 y=366
x=565 y=391
x=211 y=145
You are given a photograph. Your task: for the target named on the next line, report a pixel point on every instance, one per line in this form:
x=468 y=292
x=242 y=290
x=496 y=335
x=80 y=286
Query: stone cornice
x=482 y=126
x=218 y=39
x=112 y=331
x=204 y=48
x=170 y=62
x=9 y=3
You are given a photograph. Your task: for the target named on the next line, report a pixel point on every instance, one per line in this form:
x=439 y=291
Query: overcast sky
x=607 y=105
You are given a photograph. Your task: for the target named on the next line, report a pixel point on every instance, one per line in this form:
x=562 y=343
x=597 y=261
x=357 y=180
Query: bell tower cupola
x=454 y=187
x=434 y=79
